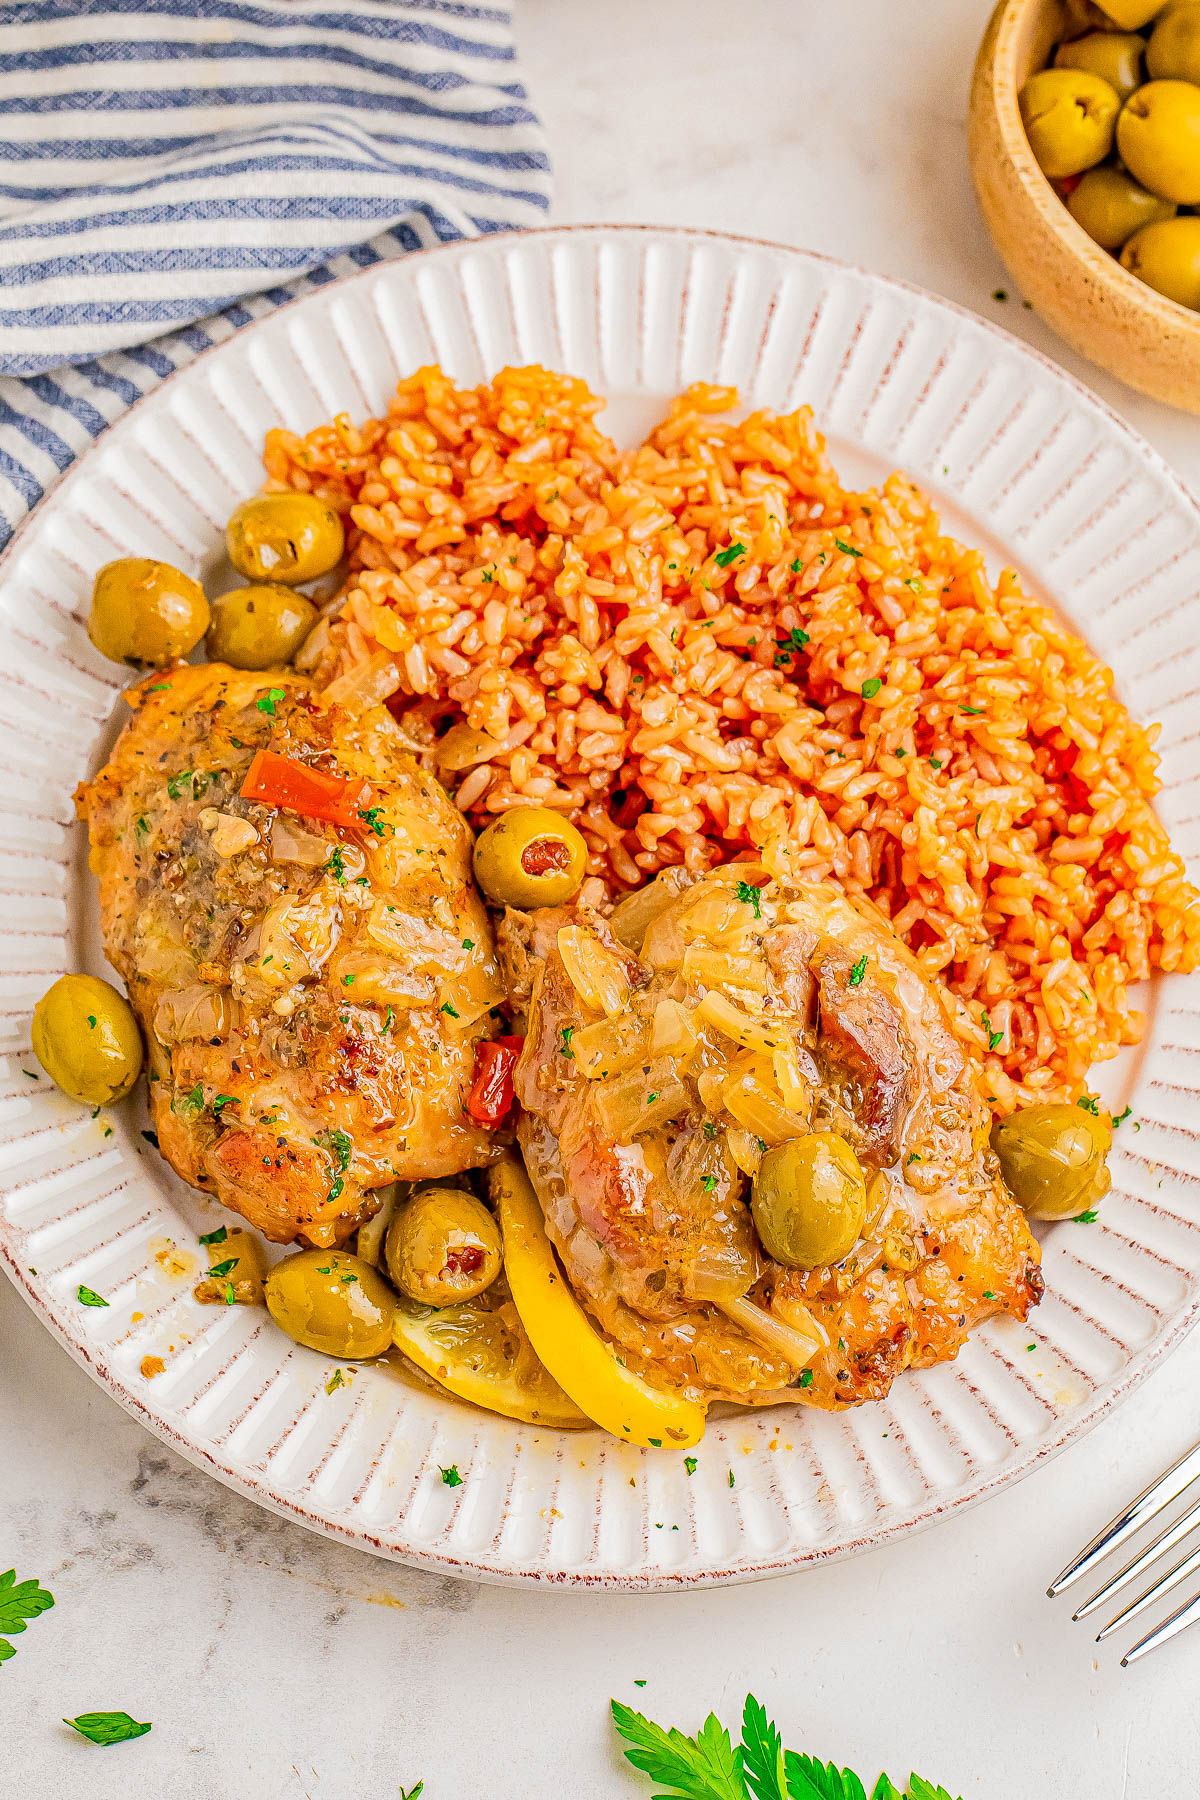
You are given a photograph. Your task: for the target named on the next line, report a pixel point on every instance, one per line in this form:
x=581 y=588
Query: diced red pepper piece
x=313 y=793
x=491 y=1096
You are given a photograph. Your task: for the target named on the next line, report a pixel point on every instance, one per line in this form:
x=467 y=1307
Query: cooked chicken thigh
x=301 y=941
x=668 y=1045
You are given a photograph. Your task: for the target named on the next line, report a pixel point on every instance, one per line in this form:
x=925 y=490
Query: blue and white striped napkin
x=184 y=166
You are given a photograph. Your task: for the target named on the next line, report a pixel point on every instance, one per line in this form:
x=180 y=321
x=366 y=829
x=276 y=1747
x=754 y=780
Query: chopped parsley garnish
x=387 y=1023
x=334 y=1192
x=89 y=1297
x=446 y=1007
x=215 y=1237
x=793 y=642
x=806 y=1378
x=935 y=762
x=566 y=1033
x=108 y=1727
x=468 y=943
x=374 y=820
x=871 y=687
x=731 y=1477
x=267 y=703
x=336 y=1380
x=988 y=1294
x=347 y=981
x=723 y=558
x=650 y=1098
x=749 y=895
x=995 y=1038
x=709 y=1183
x=451 y=1476
x=846 y=549
x=91 y=1019
x=709 y=1128
x=224 y=1268
x=222 y=1101
x=858 y=971
x=1087 y=1217
x=19 y=1600
x=914 y=1156
x=1121 y=1117
x=690 y=1464
x=970 y=712
x=336 y=865
x=340 y=1146
x=1089 y=1103
x=195 y=779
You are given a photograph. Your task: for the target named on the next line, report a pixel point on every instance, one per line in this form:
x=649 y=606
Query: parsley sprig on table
x=710 y=1767
x=19 y=1600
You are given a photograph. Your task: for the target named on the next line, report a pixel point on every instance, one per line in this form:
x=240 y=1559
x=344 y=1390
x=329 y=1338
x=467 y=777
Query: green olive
x=1158 y=136
x=1132 y=14
x=1174 y=51
x=1116 y=56
x=259 y=627
x=1070 y=116
x=331 y=1301
x=146 y=612
x=86 y=1038
x=1111 y=206
x=442 y=1246
x=284 y=537
x=530 y=857
x=1167 y=257
x=1053 y=1158
x=809 y=1201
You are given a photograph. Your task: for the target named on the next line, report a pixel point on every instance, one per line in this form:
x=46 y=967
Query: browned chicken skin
x=646 y=1107
x=311 y=994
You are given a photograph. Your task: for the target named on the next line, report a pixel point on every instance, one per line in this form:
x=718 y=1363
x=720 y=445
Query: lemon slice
x=565 y=1338
x=479 y=1351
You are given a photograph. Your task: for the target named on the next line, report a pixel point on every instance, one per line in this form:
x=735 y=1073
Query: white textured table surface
x=277 y=1665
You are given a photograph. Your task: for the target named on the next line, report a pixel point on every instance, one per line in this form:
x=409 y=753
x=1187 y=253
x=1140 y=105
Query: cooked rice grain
x=707 y=644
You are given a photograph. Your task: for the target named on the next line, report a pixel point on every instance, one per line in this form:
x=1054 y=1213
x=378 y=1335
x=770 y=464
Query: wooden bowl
x=1109 y=315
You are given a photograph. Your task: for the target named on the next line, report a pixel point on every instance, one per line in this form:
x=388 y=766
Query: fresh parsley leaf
x=566 y=1033
x=691 y=1464
x=336 y=865
x=215 y=1237
x=995 y=1038
x=723 y=558
x=749 y=895
x=1087 y=1217
x=89 y=1297
x=793 y=642
x=871 y=688
x=107 y=1727
x=1089 y=1103
x=267 y=703
x=761 y=1753
x=223 y=1268
x=858 y=971
x=806 y=1378
x=221 y=1101
x=451 y=1476
x=701 y=1768
x=808 y=1779
x=846 y=549
x=1120 y=1118
x=374 y=820
x=19 y=1600
x=446 y=1007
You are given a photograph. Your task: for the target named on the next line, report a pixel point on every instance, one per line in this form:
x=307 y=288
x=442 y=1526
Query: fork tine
x=1159 y=1546
x=1174 y=1575
x=1180 y=1619
x=1149 y=1503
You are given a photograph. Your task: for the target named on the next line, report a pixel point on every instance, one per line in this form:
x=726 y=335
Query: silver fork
x=1150 y=1502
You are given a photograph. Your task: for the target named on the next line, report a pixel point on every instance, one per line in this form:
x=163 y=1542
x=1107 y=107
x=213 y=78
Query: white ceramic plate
x=1027 y=464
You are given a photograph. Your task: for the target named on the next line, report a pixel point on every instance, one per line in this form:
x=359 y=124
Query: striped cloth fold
x=182 y=166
